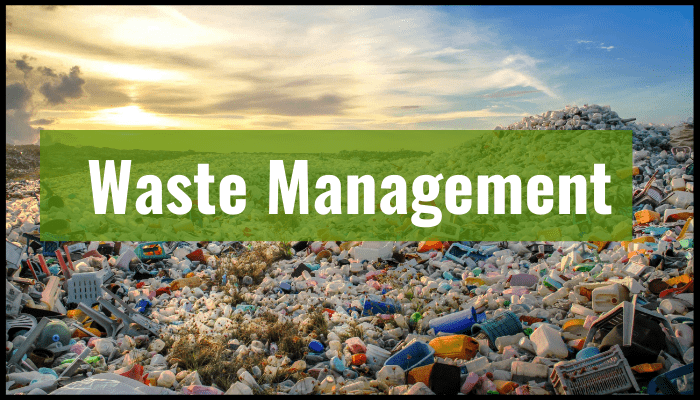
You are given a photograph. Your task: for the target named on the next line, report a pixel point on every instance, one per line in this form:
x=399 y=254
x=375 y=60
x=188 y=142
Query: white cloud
x=607 y=48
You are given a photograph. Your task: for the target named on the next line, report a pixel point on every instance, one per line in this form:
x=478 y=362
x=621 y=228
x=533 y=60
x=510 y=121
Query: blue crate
x=49 y=248
x=374 y=304
x=459 y=253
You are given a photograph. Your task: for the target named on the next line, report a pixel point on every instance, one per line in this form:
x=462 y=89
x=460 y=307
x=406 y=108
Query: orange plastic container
x=646 y=216
x=455 y=346
x=420 y=374
x=427 y=246
x=359 y=359
x=505 y=387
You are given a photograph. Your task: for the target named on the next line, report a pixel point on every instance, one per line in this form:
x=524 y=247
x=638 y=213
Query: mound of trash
x=21 y=162
x=240 y=317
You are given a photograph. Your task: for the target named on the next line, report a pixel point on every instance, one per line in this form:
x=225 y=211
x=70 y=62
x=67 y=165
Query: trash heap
x=365 y=317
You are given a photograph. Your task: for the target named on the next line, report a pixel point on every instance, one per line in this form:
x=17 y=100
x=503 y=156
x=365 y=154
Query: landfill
x=429 y=317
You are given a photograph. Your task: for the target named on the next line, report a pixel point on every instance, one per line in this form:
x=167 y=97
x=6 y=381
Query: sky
x=163 y=67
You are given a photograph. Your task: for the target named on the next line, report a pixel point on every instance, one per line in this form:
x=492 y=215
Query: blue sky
x=173 y=67
x=637 y=59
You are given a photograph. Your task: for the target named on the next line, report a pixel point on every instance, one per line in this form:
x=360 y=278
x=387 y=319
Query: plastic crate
x=459 y=254
x=504 y=324
x=143 y=253
x=666 y=383
x=375 y=304
x=49 y=248
x=24 y=322
x=415 y=355
x=84 y=288
x=605 y=373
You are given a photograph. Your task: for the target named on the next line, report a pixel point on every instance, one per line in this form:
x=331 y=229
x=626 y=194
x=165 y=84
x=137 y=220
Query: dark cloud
x=22 y=65
x=106 y=93
x=17 y=115
x=19 y=111
x=46 y=71
x=17 y=128
x=42 y=121
x=17 y=96
x=299 y=83
x=275 y=103
x=498 y=95
x=409 y=107
x=71 y=86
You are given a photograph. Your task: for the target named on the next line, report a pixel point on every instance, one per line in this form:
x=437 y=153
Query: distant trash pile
x=366 y=317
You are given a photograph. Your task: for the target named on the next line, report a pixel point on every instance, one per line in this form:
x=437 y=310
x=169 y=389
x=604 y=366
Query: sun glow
x=131 y=116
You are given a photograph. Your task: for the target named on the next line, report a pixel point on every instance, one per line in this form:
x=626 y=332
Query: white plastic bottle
x=556 y=296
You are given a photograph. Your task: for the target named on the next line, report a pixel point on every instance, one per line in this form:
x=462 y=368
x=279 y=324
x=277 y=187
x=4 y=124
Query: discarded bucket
x=415 y=355
x=504 y=324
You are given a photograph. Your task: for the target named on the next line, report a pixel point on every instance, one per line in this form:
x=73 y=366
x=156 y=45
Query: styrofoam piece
x=372 y=251
x=84 y=288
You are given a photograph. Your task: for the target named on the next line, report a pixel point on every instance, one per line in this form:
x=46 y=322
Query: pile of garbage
x=21 y=161
x=365 y=317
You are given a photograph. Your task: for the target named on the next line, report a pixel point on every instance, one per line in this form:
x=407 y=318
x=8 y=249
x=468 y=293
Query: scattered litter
x=240 y=317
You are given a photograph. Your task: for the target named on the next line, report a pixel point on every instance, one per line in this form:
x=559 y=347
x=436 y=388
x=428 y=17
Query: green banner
x=336 y=185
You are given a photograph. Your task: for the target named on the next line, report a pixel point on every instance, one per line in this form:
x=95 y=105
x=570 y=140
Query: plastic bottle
x=556 y=296
x=684 y=334
x=581 y=310
x=503 y=341
x=477 y=364
x=529 y=371
x=470 y=383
